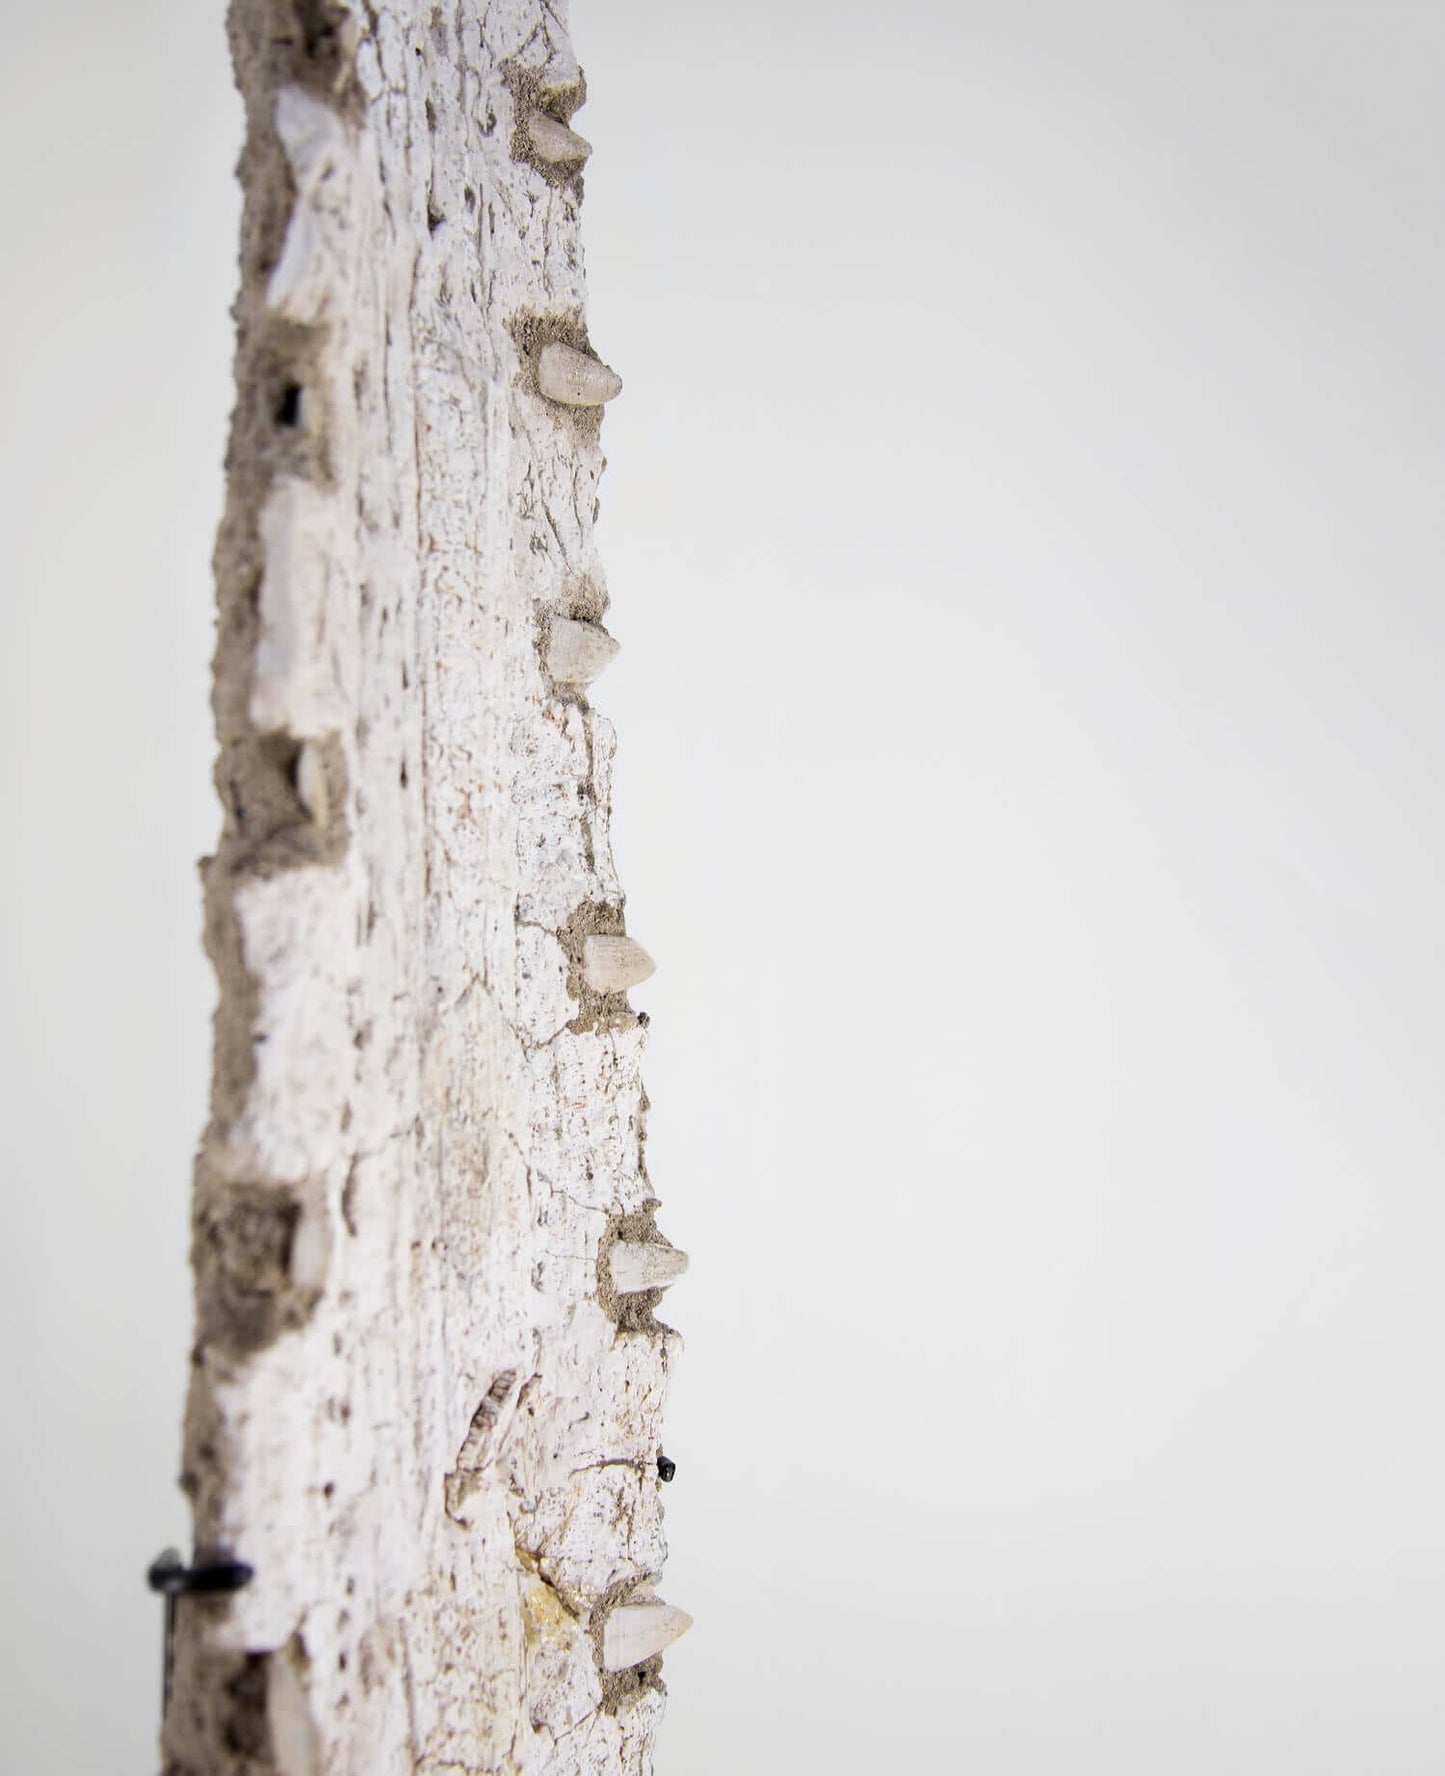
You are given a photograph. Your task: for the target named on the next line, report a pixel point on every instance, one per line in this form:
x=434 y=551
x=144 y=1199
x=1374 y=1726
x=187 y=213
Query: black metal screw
x=170 y=1575
x=666 y=1467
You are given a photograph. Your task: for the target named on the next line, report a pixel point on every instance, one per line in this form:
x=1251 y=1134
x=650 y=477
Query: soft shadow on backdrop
x=1024 y=530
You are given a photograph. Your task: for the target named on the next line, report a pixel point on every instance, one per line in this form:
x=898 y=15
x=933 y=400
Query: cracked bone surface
x=613 y=964
x=578 y=652
x=553 y=142
x=635 y=1632
x=637 y=1265
x=573 y=378
x=406 y=1399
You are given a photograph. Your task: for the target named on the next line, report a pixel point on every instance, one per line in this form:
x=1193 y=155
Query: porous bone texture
x=417 y=1409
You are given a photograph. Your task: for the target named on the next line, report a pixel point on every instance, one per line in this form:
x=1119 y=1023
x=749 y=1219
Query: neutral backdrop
x=1025 y=529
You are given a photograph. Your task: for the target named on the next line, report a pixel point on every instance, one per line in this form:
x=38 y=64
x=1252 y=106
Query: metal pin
x=170 y=1575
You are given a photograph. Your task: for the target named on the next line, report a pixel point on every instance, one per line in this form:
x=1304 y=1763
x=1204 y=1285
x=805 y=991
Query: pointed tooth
x=314 y=139
x=310 y=1250
x=613 y=964
x=553 y=142
x=638 y=1631
x=311 y=783
x=578 y=652
x=295 y=1739
x=573 y=378
x=644 y=1264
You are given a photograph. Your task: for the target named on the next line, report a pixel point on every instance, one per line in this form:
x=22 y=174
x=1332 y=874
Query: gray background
x=1024 y=529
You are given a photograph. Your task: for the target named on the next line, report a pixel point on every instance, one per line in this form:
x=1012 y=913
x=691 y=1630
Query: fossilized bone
x=427 y=1378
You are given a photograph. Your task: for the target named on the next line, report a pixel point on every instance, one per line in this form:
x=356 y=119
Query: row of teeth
x=641 y=1627
x=576 y=653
